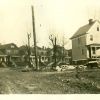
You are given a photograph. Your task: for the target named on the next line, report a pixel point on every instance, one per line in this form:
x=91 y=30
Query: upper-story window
x=82 y=51
x=12 y=46
x=15 y=51
x=97 y=28
x=79 y=40
x=42 y=53
x=91 y=37
x=8 y=51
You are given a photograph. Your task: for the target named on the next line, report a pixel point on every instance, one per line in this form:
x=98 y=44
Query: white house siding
x=98 y=52
x=85 y=40
x=78 y=47
x=96 y=34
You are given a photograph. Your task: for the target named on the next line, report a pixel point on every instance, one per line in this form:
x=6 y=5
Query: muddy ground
x=67 y=82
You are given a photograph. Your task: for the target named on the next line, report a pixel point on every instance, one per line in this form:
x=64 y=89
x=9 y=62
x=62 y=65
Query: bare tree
x=53 y=40
x=64 y=42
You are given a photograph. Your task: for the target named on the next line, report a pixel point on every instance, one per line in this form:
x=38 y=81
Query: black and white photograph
x=49 y=47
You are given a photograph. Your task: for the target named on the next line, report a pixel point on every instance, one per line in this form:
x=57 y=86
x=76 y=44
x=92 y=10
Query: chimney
x=90 y=21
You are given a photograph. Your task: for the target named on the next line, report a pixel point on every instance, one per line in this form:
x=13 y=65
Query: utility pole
x=29 y=52
x=34 y=37
x=29 y=36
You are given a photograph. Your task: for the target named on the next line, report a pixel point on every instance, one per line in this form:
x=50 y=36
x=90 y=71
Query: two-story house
x=10 y=52
x=41 y=53
x=86 y=42
x=62 y=55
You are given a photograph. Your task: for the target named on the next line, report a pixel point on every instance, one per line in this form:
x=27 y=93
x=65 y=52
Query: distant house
x=23 y=50
x=61 y=54
x=46 y=55
x=86 y=42
x=3 y=57
x=50 y=55
x=41 y=53
x=69 y=57
x=9 y=52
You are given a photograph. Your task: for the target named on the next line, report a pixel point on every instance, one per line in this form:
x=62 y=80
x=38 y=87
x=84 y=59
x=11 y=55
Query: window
x=8 y=51
x=42 y=58
x=82 y=51
x=12 y=46
x=15 y=51
x=42 y=53
x=91 y=37
x=79 y=40
x=93 y=50
x=97 y=28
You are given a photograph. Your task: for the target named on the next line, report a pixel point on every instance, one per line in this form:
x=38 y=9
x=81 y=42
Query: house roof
x=82 y=30
x=8 y=46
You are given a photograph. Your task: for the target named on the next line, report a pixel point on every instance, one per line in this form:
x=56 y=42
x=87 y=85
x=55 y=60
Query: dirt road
x=17 y=82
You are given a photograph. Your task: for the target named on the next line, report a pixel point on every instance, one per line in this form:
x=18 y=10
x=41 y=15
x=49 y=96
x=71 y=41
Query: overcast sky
x=62 y=17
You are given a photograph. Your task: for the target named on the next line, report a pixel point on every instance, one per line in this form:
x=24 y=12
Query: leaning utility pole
x=34 y=37
x=29 y=51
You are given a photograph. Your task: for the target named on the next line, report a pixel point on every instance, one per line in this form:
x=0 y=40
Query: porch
x=93 y=51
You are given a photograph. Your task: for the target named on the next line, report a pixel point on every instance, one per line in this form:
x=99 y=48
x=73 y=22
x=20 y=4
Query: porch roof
x=15 y=56
x=94 y=44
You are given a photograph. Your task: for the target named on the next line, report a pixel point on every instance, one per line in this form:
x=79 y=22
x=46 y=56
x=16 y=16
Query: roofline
x=83 y=33
x=78 y=35
x=79 y=59
x=14 y=56
x=93 y=44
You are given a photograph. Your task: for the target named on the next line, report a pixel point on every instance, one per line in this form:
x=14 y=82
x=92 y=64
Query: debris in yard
x=26 y=69
x=12 y=81
x=31 y=86
x=58 y=68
